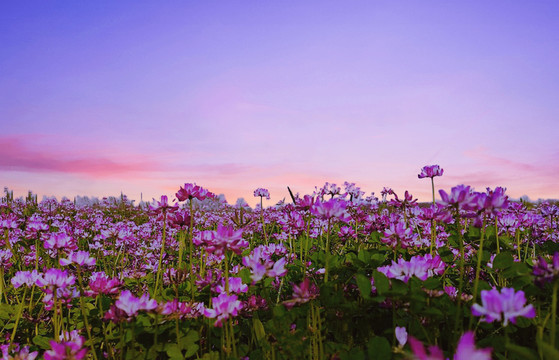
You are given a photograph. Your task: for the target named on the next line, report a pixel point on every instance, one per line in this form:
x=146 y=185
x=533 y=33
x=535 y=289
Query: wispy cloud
x=19 y=154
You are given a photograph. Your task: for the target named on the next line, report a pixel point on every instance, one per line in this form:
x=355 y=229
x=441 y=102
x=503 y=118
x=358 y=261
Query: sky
x=103 y=97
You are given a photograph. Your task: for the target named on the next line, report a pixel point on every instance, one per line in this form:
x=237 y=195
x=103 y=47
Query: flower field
x=331 y=275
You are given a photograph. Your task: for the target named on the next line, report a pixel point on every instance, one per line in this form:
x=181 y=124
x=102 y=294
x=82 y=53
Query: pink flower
x=460 y=197
x=465 y=350
x=100 y=283
x=506 y=305
x=60 y=240
x=163 y=206
x=235 y=286
x=333 y=208
x=430 y=171
x=260 y=263
x=131 y=304
x=28 y=278
x=421 y=267
x=193 y=191
x=226 y=238
x=224 y=306
x=66 y=350
x=399 y=234
x=80 y=258
x=263 y=193
x=17 y=354
x=401 y=335
x=302 y=293
x=55 y=278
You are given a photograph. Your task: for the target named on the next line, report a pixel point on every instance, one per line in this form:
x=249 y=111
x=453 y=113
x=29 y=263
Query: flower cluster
x=224 y=306
x=193 y=191
x=504 y=306
x=263 y=193
x=430 y=171
x=419 y=266
x=261 y=264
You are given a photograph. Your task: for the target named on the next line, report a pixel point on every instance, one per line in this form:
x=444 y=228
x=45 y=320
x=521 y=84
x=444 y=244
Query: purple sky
x=102 y=97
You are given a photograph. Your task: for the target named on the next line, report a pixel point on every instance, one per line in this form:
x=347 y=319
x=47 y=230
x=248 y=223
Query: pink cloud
x=17 y=154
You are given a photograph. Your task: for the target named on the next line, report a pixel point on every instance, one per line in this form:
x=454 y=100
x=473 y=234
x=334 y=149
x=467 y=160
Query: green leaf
x=549 y=352
x=522 y=352
x=431 y=283
x=364 y=284
x=503 y=261
x=381 y=282
x=378 y=348
x=258 y=329
x=173 y=351
x=42 y=342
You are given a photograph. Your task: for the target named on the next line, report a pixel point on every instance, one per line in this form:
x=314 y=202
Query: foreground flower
x=226 y=238
x=504 y=306
x=401 y=335
x=302 y=293
x=131 y=304
x=80 y=258
x=263 y=193
x=224 y=306
x=460 y=197
x=28 y=278
x=67 y=350
x=430 y=171
x=333 y=208
x=421 y=267
x=193 y=191
x=17 y=353
x=466 y=350
x=545 y=272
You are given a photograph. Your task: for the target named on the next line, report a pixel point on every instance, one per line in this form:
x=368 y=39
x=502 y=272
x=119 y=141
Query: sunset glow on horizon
x=102 y=98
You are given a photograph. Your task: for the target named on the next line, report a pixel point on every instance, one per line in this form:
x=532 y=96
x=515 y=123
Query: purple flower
x=28 y=278
x=430 y=171
x=163 y=206
x=55 y=278
x=131 y=304
x=66 y=350
x=421 y=267
x=401 y=335
x=466 y=350
x=545 y=272
x=100 y=283
x=261 y=264
x=235 y=286
x=263 y=193
x=460 y=197
x=60 y=240
x=226 y=238
x=224 y=306
x=302 y=293
x=333 y=208
x=506 y=305
x=80 y=258
x=399 y=234
x=193 y=191
x=17 y=353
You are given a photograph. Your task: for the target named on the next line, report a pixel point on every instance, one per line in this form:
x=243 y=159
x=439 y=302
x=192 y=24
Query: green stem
x=158 y=276
x=20 y=311
x=554 y=313
x=327 y=257
x=497 y=234
x=85 y=321
x=433 y=189
x=190 y=259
